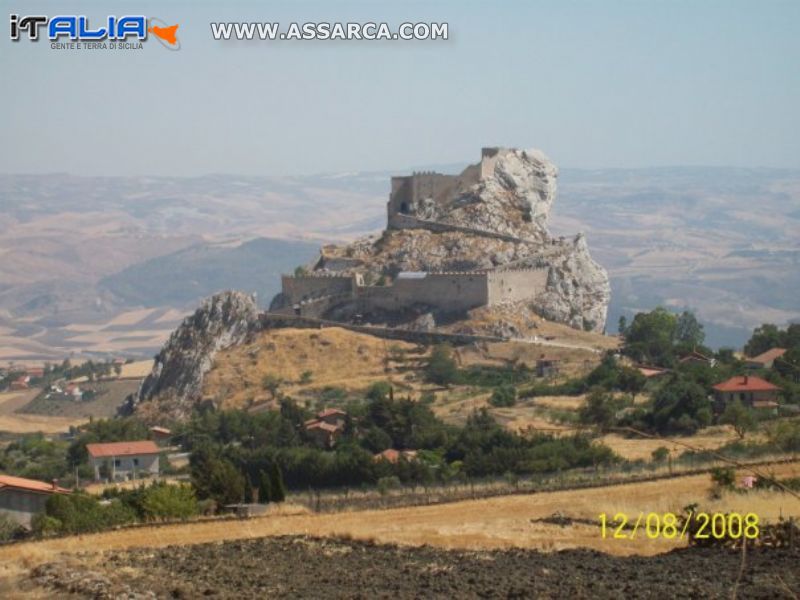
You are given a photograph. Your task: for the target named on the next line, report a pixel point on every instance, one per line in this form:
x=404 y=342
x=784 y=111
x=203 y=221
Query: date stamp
x=669 y=526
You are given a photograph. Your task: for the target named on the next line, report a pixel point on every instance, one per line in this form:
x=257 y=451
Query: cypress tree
x=276 y=483
x=264 y=488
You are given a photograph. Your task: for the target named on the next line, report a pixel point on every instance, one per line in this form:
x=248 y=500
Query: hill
x=190 y=274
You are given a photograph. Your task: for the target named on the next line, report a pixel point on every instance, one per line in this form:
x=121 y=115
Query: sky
x=593 y=84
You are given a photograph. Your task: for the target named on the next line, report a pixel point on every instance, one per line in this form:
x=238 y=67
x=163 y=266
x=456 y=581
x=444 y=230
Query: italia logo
x=76 y=28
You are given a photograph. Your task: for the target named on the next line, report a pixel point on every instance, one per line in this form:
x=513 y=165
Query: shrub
x=165 y=501
x=504 y=395
x=442 y=368
x=660 y=454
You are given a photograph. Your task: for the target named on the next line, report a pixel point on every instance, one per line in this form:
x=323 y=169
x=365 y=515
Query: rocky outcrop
x=174 y=385
x=499 y=222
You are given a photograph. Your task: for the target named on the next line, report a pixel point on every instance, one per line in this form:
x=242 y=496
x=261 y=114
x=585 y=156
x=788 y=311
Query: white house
x=22 y=498
x=124 y=460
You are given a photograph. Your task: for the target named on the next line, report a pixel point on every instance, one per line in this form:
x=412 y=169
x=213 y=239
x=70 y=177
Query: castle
x=336 y=287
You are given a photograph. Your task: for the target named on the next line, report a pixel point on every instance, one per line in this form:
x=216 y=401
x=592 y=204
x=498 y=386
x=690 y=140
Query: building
x=749 y=390
x=697 y=358
x=650 y=371
x=765 y=360
x=547 y=366
x=326 y=427
x=161 y=435
x=22 y=499
x=394 y=456
x=119 y=461
x=335 y=288
x=19 y=384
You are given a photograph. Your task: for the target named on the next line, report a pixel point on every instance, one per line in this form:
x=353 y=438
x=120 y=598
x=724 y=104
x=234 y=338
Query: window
x=117 y=462
x=135 y=462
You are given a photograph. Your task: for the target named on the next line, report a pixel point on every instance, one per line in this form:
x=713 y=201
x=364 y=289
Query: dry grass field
x=501 y=522
x=333 y=356
x=14 y=422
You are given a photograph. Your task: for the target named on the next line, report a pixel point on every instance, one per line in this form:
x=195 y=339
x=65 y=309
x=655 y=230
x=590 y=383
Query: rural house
x=765 y=360
x=124 y=460
x=749 y=390
x=697 y=358
x=22 y=498
x=328 y=425
x=161 y=435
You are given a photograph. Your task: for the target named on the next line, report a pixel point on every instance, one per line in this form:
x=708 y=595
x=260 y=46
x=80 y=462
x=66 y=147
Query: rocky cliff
x=499 y=222
x=175 y=384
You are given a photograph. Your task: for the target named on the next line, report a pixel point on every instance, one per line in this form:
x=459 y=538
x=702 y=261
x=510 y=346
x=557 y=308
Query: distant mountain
x=184 y=277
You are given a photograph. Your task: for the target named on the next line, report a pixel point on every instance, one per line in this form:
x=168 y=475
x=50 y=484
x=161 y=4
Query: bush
x=660 y=454
x=165 y=501
x=505 y=395
x=9 y=528
x=442 y=368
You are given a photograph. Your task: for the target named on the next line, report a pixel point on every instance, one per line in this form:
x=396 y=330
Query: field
x=503 y=534
x=110 y=395
x=13 y=422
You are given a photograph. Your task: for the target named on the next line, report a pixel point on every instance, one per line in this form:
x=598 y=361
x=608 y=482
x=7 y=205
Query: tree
x=680 y=406
x=306 y=377
x=380 y=390
x=598 y=410
x=442 y=368
x=167 y=501
x=765 y=337
x=650 y=337
x=277 y=486
x=503 y=395
x=688 y=330
x=622 y=325
x=264 y=488
x=788 y=365
x=739 y=417
x=631 y=380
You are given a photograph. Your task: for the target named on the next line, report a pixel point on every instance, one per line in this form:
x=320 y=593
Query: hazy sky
x=593 y=84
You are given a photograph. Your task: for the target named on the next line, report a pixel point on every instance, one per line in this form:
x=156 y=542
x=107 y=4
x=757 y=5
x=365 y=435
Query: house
x=332 y=416
x=765 y=360
x=326 y=427
x=650 y=371
x=547 y=366
x=22 y=499
x=124 y=460
x=161 y=435
x=35 y=372
x=749 y=390
x=697 y=358
x=394 y=456
x=20 y=383
x=74 y=390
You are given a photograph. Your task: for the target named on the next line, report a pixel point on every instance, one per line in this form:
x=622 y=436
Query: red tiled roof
x=322 y=425
x=157 y=429
x=745 y=383
x=33 y=485
x=768 y=356
x=122 y=449
x=390 y=454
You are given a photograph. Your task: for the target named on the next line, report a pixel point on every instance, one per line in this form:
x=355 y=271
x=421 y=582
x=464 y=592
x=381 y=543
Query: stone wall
x=307 y=287
x=452 y=292
x=515 y=284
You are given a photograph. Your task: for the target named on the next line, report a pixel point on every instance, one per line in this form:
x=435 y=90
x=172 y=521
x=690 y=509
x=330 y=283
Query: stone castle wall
x=514 y=285
x=309 y=287
x=453 y=292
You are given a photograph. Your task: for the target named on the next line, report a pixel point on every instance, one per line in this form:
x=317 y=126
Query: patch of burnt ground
x=305 y=567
